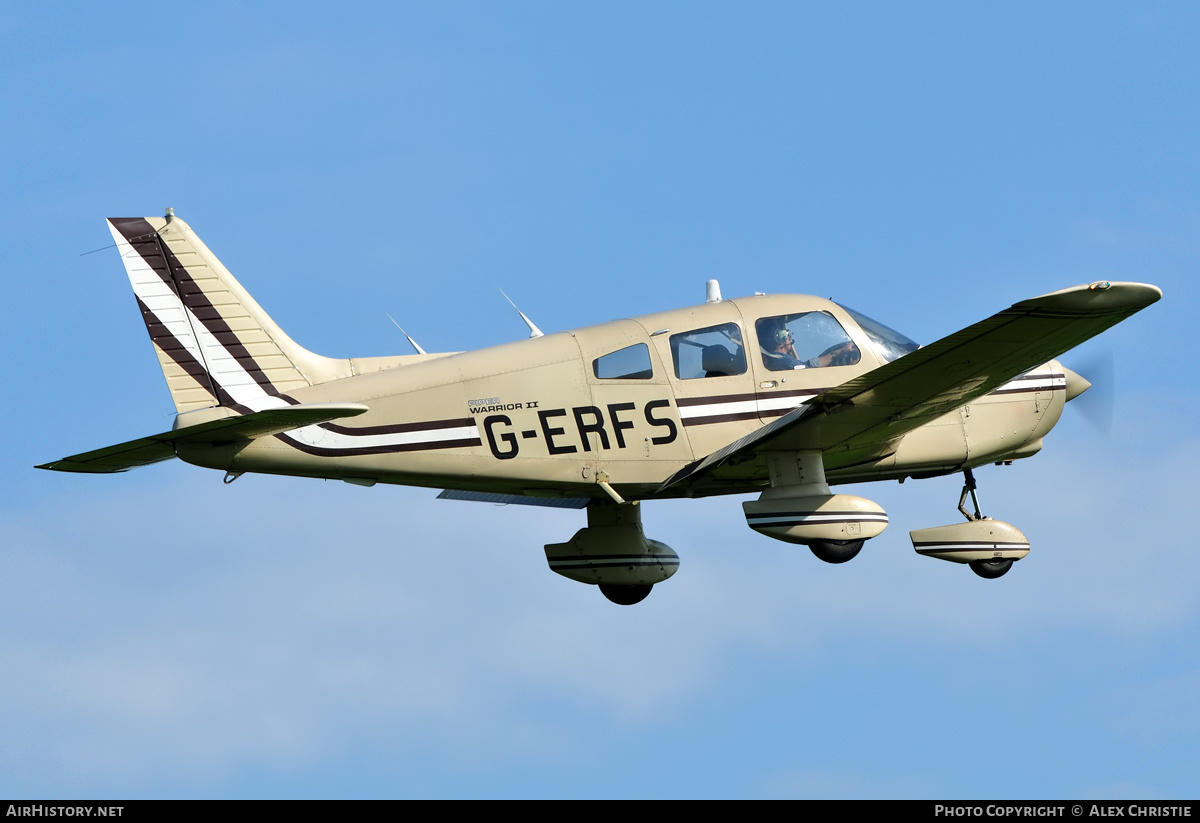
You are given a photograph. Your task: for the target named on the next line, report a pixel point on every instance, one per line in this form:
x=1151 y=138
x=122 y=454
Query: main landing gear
x=800 y=508
x=988 y=546
x=614 y=554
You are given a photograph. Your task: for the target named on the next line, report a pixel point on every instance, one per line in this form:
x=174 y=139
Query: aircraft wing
x=158 y=447
x=861 y=420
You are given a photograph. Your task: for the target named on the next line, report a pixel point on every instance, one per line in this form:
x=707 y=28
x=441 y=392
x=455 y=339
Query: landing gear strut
x=969 y=488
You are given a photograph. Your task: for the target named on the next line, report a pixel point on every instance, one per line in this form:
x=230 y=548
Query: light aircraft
x=776 y=395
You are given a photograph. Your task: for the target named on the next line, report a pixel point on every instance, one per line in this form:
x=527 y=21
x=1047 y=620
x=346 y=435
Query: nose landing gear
x=988 y=546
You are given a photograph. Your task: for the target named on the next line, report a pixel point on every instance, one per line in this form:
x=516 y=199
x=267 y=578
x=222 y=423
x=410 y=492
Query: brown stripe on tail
x=187 y=379
x=162 y=259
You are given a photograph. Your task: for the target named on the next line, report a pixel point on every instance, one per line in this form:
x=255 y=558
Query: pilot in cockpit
x=818 y=332
x=782 y=354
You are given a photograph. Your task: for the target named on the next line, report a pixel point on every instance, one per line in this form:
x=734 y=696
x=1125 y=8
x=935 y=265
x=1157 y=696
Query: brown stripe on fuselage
x=719 y=398
x=793 y=392
x=399 y=428
x=1032 y=389
x=719 y=418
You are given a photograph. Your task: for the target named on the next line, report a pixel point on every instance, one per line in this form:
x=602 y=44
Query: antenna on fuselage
x=534 y=331
x=712 y=292
x=414 y=343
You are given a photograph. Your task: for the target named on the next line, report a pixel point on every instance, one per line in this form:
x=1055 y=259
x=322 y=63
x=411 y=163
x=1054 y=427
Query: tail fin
x=215 y=343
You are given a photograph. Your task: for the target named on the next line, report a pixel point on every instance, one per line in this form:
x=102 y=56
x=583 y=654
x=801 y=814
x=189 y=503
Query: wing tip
x=1101 y=297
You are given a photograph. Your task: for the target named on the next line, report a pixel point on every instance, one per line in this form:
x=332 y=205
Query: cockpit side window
x=810 y=340
x=715 y=351
x=629 y=363
x=889 y=344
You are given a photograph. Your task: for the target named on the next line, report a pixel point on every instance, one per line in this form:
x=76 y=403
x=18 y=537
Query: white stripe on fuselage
x=770 y=404
x=719 y=408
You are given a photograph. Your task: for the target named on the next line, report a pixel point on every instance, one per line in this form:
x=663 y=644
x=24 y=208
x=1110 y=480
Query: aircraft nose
x=1076 y=384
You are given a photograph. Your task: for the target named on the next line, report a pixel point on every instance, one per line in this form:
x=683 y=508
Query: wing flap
x=158 y=447
x=516 y=499
x=860 y=420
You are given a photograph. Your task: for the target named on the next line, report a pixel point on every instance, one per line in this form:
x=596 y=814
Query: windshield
x=808 y=340
x=889 y=344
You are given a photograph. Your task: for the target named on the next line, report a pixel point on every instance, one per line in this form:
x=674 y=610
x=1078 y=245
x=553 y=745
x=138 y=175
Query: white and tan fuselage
x=531 y=417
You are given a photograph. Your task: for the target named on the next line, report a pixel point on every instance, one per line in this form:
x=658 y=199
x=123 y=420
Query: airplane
x=778 y=395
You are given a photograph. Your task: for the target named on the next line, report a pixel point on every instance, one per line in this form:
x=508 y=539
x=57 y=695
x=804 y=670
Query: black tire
x=625 y=595
x=836 y=551
x=991 y=569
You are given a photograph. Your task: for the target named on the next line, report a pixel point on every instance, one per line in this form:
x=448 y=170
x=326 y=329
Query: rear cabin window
x=716 y=351
x=810 y=340
x=629 y=363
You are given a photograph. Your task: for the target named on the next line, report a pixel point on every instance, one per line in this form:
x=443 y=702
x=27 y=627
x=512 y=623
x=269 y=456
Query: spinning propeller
x=1094 y=398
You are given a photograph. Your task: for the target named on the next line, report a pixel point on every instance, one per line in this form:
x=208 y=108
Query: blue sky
x=163 y=635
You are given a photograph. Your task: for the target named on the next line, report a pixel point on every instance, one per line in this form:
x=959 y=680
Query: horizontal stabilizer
x=516 y=499
x=158 y=447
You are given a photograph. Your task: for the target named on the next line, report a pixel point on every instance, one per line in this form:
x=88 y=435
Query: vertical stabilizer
x=215 y=343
